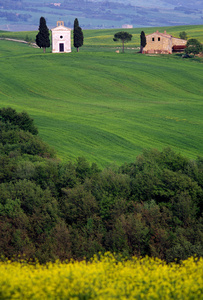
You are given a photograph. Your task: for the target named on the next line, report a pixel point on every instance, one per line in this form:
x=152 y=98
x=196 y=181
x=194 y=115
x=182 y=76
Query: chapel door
x=61 y=47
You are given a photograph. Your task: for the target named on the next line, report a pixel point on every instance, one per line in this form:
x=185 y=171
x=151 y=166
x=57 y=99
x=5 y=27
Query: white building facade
x=61 y=38
x=127 y=26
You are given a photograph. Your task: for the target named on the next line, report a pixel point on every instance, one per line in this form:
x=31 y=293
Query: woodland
x=50 y=209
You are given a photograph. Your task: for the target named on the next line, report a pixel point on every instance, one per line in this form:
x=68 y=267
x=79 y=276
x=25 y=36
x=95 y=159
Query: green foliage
x=52 y=210
x=183 y=35
x=66 y=176
x=78 y=206
x=123 y=36
x=76 y=24
x=10 y=207
x=83 y=169
x=161 y=176
x=18 y=137
x=142 y=41
x=29 y=39
x=22 y=120
x=193 y=46
x=77 y=35
x=42 y=38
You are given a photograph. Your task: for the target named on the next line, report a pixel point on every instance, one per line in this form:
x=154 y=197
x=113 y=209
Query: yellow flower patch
x=145 y=278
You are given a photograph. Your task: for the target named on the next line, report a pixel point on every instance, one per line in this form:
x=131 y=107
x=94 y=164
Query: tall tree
x=143 y=42
x=42 y=38
x=193 y=46
x=76 y=23
x=183 y=35
x=123 y=36
x=77 y=35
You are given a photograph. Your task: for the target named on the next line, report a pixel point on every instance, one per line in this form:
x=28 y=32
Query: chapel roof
x=60 y=27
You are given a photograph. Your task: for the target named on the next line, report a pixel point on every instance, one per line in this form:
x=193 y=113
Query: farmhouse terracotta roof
x=161 y=34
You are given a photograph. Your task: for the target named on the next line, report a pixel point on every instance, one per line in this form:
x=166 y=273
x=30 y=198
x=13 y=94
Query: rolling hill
x=102 y=105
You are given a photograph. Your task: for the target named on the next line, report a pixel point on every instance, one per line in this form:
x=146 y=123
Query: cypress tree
x=77 y=35
x=143 y=42
x=76 y=24
x=42 y=38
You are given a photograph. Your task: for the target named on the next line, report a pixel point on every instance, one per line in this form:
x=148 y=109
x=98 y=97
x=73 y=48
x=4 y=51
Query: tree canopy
x=19 y=120
x=77 y=35
x=183 y=35
x=142 y=41
x=61 y=210
x=193 y=46
x=42 y=38
x=123 y=36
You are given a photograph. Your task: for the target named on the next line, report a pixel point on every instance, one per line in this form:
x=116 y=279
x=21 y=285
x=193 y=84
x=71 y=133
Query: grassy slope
x=104 y=37
x=102 y=105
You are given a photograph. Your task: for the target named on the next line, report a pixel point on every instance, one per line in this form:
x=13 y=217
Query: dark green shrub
x=22 y=120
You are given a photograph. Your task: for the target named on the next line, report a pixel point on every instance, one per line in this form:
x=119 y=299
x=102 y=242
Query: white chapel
x=61 y=38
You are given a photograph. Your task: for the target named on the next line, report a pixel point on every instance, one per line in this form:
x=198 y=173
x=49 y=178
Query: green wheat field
x=103 y=105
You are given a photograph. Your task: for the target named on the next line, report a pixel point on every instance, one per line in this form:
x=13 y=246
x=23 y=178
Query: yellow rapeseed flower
x=104 y=278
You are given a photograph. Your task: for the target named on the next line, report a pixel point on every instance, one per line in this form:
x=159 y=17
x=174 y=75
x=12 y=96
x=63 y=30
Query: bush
x=22 y=120
x=193 y=46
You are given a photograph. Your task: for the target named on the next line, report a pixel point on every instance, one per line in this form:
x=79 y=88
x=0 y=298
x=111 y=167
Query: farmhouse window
x=61 y=37
x=152 y=39
x=159 y=39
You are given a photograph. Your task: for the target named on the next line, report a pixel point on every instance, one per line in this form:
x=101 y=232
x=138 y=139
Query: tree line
x=50 y=209
x=42 y=38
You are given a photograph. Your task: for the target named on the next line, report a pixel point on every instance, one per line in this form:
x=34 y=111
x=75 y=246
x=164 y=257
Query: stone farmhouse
x=61 y=38
x=163 y=43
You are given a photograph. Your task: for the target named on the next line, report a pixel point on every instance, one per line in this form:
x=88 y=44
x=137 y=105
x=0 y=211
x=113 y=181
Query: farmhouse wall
x=163 y=43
